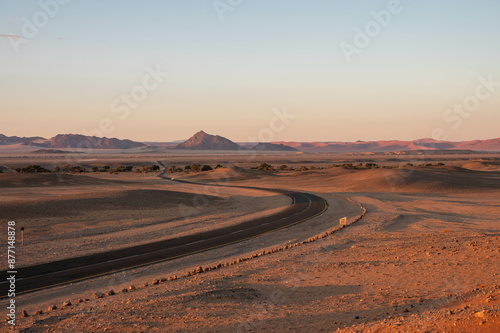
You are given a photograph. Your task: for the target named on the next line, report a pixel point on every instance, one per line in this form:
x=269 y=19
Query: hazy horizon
x=227 y=137
x=66 y=68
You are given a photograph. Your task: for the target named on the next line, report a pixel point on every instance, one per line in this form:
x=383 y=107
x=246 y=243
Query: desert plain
x=420 y=253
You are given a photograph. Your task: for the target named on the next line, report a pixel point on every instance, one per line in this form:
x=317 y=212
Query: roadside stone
x=131 y=287
x=24 y=313
x=52 y=307
x=111 y=292
x=98 y=295
x=67 y=303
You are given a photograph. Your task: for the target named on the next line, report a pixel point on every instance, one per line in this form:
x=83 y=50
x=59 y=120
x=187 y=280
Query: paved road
x=66 y=271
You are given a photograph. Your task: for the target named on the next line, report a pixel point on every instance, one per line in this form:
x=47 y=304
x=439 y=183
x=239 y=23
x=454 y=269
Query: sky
x=251 y=70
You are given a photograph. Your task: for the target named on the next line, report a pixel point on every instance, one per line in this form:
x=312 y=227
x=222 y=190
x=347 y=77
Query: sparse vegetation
x=265 y=166
x=150 y=168
x=371 y=165
x=33 y=169
x=206 y=168
x=122 y=168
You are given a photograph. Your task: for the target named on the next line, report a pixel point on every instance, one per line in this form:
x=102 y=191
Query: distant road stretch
x=32 y=278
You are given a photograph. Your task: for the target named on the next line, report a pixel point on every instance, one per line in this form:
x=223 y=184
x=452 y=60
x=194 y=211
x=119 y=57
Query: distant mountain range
x=72 y=141
x=10 y=140
x=266 y=146
x=203 y=141
x=394 y=145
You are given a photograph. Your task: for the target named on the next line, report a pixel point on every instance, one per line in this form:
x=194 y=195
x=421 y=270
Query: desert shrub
x=206 y=168
x=283 y=167
x=195 y=167
x=428 y=164
x=371 y=165
x=106 y=167
x=312 y=167
x=57 y=168
x=122 y=168
x=440 y=164
x=150 y=168
x=304 y=168
x=265 y=166
x=77 y=169
x=187 y=167
x=348 y=166
x=218 y=166
x=95 y=169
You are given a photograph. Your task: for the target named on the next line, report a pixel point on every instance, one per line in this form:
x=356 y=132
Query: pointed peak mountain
x=204 y=141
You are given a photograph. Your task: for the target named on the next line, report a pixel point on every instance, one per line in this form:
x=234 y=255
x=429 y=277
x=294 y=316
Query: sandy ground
x=424 y=258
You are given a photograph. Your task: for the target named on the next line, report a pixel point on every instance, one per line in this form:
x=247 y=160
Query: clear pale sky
x=227 y=76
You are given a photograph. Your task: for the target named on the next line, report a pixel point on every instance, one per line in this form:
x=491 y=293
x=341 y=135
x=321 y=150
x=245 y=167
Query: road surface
x=42 y=276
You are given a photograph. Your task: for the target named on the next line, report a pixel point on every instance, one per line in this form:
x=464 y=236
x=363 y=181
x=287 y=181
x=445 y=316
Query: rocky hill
x=11 y=140
x=84 y=142
x=204 y=141
x=266 y=146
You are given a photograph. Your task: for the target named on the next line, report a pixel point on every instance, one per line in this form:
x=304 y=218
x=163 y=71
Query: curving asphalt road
x=66 y=271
